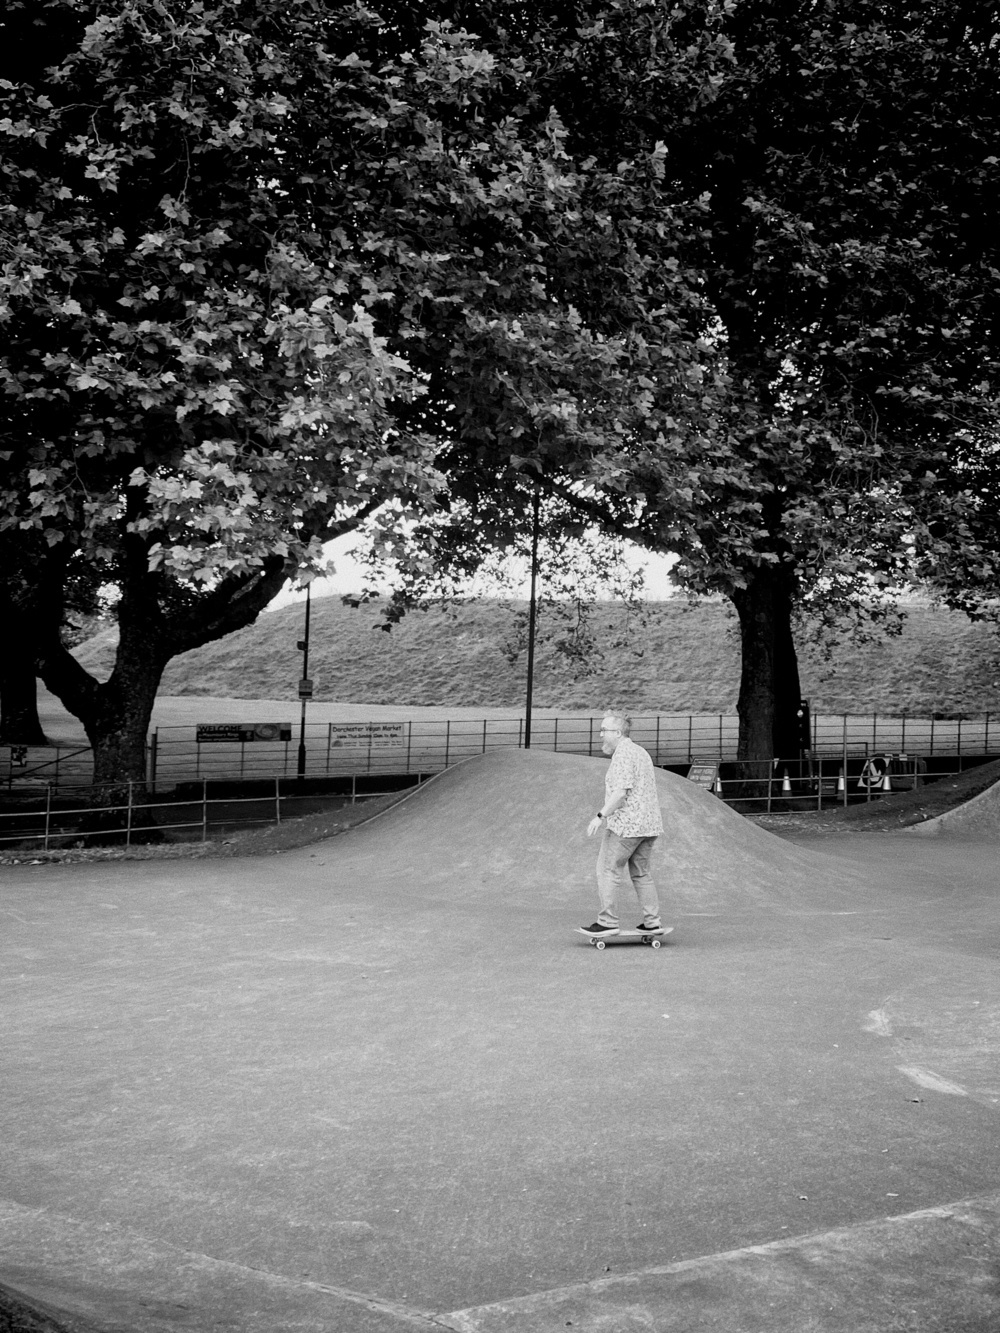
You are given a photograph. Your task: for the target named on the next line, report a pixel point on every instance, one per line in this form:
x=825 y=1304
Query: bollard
x=786 y=784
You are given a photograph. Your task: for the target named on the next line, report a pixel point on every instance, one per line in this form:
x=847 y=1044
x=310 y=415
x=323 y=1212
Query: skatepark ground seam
x=925 y=1261
x=939 y=1261
x=75 y=1266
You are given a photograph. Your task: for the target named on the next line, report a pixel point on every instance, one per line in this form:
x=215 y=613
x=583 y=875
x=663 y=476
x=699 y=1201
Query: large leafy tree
x=842 y=163
x=239 y=245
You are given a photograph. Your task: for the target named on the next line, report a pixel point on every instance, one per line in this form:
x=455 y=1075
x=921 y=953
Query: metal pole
x=48 y=812
x=532 y=615
x=204 y=809
x=304 y=646
x=128 y=819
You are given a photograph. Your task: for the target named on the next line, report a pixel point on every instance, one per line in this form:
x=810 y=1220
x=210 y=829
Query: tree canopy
x=845 y=250
x=263 y=269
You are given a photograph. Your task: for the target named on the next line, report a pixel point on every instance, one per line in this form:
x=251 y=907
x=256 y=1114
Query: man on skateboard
x=631 y=814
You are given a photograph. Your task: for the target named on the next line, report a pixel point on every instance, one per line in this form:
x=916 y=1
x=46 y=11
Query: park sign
x=242 y=732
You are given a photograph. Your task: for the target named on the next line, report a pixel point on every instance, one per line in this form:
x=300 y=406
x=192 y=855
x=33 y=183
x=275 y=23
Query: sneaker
x=598 y=929
x=650 y=930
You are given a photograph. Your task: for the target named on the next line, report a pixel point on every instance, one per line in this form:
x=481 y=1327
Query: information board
x=367 y=735
x=703 y=775
x=241 y=732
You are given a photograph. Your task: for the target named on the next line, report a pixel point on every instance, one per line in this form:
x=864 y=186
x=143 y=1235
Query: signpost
x=305 y=689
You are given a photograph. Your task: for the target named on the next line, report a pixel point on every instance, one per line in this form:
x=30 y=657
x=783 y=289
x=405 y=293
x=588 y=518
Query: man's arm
x=609 y=807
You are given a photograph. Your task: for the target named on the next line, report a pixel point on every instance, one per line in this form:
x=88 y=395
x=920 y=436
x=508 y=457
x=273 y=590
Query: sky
x=349 y=577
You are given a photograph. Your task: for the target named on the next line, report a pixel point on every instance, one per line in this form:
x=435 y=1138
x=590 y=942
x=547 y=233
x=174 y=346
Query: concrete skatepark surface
x=381 y=1083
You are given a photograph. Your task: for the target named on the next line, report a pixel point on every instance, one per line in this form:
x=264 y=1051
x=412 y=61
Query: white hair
x=621 y=720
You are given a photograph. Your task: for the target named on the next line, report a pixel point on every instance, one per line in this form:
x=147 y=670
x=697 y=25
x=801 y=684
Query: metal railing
x=66 y=818
x=820 y=782
x=333 y=749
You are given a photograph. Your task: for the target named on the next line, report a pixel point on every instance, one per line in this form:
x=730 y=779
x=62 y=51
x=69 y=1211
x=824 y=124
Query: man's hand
x=593 y=826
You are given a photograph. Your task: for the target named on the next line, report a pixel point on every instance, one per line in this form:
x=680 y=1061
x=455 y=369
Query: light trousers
x=624 y=862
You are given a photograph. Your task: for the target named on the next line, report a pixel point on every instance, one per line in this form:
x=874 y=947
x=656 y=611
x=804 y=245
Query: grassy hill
x=684 y=658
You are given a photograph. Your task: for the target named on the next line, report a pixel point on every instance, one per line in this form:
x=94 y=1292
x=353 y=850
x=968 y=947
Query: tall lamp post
x=305 y=689
x=532 y=613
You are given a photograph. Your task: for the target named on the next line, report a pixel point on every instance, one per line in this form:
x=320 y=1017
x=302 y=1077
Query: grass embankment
x=683 y=658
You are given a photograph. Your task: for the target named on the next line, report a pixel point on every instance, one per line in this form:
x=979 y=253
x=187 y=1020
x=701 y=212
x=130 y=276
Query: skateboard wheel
x=598 y=944
x=655 y=943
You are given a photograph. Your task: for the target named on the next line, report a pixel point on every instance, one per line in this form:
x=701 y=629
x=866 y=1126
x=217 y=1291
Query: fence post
x=153 y=745
x=960 y=743
x=555 y=736
x=657 y=738
x=409 y=744
x=204 y=809
x=48 y=812
x=329 y=745
x=447 y=741
x=128 y=819
x=590 y=739
x=277 y=800
x=484 y=735
x=986 y=736
x=720 y=738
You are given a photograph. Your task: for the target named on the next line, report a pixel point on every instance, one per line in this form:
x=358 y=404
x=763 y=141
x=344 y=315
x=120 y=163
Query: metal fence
x=69 y=817
x=332 y=749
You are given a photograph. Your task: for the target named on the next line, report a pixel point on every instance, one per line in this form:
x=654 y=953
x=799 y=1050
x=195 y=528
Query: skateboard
x=655 y=939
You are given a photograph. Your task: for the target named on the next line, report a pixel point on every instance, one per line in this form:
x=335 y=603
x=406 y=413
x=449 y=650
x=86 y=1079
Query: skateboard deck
x=650 y=937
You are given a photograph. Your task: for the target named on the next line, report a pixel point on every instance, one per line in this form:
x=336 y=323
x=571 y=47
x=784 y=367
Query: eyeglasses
x=611 y=730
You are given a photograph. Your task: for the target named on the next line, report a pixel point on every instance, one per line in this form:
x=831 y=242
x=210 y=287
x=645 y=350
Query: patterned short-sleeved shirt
x=632 y=769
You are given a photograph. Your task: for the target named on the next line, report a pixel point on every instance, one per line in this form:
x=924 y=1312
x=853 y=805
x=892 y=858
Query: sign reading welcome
x=241 y=732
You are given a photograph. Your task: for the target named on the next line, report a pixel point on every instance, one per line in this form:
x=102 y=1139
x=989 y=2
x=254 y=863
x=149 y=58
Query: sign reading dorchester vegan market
x=366 y=735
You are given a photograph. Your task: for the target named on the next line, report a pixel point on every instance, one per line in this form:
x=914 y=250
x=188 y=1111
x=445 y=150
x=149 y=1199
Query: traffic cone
x=786 y=784
x=717 y=784
x=887 y=782
x=841 y=784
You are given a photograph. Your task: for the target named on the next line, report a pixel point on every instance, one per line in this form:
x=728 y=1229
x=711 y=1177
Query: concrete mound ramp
x=516 y=820
x=978 y=819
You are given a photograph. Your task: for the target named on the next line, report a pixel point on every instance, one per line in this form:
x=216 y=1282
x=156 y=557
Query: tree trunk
x=116 y=713
x=769 y=697
x=19 y=721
